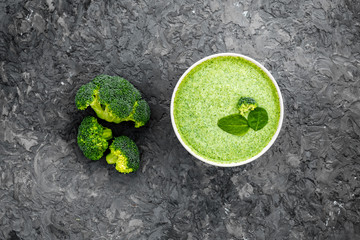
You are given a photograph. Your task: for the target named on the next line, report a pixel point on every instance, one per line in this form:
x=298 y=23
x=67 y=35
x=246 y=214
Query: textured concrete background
x=305 y=187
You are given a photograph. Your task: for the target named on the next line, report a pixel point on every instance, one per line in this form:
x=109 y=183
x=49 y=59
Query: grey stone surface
x=305 y=187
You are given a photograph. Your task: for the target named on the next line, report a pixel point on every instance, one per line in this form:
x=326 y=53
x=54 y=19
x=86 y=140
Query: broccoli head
x=246 y=104
x=113 y=99
x=125 y=154
x=92 y=138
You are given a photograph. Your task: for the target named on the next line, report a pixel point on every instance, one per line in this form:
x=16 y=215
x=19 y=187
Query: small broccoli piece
x=140 y=114
x=114 y=99
x=246 y=104
x=125 y=154
x=86 y=96
x=92 y=138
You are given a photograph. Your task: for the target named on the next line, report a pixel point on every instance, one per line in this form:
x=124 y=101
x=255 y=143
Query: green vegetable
x=258 y=118
x=246 y=104
x=141 y=113
x=125 y=154
x=234 y=124
x=92 y=138
x=114 y=99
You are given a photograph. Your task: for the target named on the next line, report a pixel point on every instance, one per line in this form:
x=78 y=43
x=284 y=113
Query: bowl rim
x=232 y=164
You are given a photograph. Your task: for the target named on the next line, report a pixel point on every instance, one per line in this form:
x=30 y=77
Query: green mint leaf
x=258 y=118
x=234 y=124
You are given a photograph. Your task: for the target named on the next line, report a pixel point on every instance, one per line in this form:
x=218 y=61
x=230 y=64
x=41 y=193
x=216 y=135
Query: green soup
x=211 y=91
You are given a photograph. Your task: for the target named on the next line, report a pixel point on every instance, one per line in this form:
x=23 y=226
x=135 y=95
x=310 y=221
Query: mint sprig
x=238 y=125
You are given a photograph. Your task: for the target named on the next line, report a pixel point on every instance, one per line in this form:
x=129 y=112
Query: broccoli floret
x=246 y=104
x=125 y=154
x=140 y=114
x=86 y=96
x=114 y=99
x=92 y=138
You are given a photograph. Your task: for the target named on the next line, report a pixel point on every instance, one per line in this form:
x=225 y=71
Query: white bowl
x=232 y=164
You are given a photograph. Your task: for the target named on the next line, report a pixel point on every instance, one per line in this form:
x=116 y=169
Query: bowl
x=224 y=164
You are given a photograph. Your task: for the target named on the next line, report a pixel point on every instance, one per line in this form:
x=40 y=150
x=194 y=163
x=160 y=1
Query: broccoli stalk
x=103 y=112
x=113 y=99
x=125 y=154
x=92 y=138
x=107 y=133
x=114 y=156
